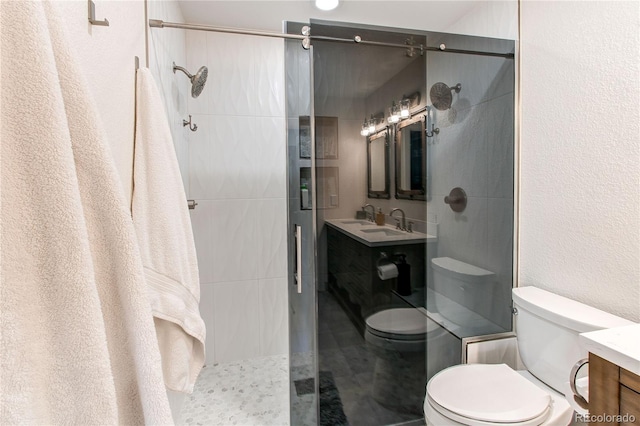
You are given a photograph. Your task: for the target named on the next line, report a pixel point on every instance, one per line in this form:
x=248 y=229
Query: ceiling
x=269 y=15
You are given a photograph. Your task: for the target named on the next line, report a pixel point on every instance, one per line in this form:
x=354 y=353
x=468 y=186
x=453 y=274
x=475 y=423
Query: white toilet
x=398 y=338
x=547 y=328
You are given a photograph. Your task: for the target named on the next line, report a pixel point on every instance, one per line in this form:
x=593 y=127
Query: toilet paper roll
x=387 y=271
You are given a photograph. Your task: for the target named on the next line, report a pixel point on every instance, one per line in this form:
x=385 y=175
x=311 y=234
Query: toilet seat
x=482 y=394
x=407 y=324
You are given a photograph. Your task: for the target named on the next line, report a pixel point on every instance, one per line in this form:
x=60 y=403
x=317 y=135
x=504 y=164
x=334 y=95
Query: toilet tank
x=547 y=327
x=469 y=287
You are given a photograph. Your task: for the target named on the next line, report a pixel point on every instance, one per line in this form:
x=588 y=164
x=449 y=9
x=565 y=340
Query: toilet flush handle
x=580 y=399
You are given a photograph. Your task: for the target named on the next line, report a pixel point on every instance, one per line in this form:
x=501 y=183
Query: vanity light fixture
x=404 y=108
x=327 y=4
x=408 y=102
x=365 y=128
x=372 y=125
x=394 y=113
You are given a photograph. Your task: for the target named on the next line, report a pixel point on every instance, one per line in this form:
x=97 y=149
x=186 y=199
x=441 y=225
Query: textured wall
x=237 y=174
x=106 y=56
x=474 y=151
x=167 y=46
x=580 y=154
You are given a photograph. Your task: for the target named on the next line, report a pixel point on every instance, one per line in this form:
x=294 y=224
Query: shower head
x=441 y=96
x=197 y=80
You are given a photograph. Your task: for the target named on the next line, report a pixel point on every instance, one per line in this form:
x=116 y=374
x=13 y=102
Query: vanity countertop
x=372 y=235
x=619 y=345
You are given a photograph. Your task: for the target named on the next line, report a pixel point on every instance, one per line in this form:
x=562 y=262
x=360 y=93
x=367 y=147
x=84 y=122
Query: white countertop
x=620 y=345
x=370 y=234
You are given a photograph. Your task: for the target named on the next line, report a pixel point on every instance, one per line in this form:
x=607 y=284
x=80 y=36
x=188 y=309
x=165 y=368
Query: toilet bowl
x=547 y=336
x=398 y=338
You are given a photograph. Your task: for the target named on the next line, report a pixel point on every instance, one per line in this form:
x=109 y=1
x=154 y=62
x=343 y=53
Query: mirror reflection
x=411 y=174
x=378 y=164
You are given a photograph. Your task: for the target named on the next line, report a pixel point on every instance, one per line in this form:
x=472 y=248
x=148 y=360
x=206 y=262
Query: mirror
x=378 y=164
x=411 y=174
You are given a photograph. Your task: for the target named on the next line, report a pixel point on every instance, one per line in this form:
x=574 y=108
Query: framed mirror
x=411 y=173
x=378 y=164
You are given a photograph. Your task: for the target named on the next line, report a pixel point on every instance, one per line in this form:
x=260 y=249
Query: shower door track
x=158 y=23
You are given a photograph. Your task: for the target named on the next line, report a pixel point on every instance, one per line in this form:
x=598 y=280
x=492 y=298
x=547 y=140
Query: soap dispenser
x=379 y=217
x=404 y=275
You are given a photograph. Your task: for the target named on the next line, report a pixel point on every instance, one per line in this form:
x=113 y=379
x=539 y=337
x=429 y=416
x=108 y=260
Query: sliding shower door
x=414 y=129
x=301 y=233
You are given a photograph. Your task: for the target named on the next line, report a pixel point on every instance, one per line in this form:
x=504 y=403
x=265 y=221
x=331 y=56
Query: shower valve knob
x=457 y=200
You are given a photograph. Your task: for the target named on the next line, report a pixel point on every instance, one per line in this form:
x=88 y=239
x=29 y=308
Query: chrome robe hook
x=188 y=123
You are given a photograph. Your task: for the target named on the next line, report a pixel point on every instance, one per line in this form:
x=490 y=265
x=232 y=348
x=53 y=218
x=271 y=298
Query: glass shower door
x=301 y=233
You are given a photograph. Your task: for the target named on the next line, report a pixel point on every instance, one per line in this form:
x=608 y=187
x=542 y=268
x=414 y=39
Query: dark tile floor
x=342 y=350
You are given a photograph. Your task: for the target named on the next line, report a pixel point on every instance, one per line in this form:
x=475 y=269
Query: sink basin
x=385 y=231
x=358 y=222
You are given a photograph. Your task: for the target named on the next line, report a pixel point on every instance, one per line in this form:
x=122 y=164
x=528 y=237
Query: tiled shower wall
x=237 y=175
x=474 y=150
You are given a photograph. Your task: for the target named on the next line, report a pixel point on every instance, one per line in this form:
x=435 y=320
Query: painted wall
x=237 y=174
x=580 y=155
x=106 y=56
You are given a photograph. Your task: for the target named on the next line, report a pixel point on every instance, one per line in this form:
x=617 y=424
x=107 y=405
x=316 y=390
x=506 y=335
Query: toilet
x=547 y=328
x=398 y=338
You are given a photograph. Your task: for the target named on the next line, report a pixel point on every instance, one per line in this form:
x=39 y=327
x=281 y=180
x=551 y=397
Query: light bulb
x=404 y=108
x=327 y=4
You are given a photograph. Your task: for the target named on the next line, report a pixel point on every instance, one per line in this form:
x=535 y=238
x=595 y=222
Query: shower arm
x=177 y=67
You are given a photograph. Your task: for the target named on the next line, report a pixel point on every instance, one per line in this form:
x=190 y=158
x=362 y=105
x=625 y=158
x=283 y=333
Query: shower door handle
x=298 y=250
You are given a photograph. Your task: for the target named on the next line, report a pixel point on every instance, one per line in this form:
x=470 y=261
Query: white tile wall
x=237 y=174
x=474 y=150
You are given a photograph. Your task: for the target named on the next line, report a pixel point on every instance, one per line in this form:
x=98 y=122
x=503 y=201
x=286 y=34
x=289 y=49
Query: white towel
x=163 y=225
x=78 y=344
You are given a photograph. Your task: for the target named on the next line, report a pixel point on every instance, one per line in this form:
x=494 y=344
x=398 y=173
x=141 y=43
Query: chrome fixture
x=400 y=223
x=327 y=4
x=434 y=130
x=197 y=80
x=191 y=204
x=441 y=96
x=188 y=123
x=372 y=215
x=92 y=16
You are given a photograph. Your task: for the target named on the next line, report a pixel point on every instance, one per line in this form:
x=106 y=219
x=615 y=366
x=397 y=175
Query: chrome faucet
x=400 y=223
x=370 y=216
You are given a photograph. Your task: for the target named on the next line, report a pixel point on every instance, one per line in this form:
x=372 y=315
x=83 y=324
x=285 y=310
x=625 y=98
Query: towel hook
x=188 y=123
x=92 y=16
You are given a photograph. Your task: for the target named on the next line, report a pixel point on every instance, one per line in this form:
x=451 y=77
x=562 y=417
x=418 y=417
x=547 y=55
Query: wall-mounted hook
x=92 y=16
x=188 y=123
x=434 y=131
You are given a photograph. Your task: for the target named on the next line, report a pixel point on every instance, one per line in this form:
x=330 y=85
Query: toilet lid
x=401 y=321
x=488 y=393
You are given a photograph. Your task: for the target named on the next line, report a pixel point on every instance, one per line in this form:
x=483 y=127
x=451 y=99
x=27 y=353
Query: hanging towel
x=162 y=223
x=78 y=343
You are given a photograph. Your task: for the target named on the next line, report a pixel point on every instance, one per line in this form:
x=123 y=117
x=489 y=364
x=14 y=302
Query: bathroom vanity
x=354 y=249
x=614 y=374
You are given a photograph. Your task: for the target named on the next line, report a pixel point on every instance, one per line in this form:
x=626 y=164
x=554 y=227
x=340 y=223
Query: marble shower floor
x=252 y=392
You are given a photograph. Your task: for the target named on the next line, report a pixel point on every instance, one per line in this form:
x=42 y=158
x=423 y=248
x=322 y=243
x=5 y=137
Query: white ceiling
x=269 y=15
